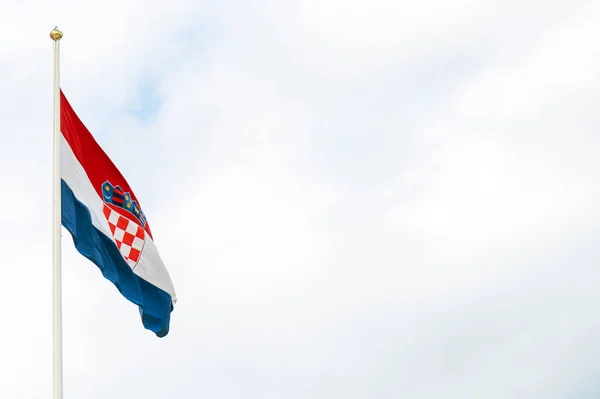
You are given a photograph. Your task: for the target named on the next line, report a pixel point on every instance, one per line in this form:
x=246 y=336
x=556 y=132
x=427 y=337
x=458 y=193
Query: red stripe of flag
x=97 y=165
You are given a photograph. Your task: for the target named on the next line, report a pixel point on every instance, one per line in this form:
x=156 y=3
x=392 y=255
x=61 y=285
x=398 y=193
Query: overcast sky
x=355 y=199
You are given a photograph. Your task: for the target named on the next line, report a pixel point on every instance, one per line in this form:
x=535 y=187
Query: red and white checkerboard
x=128 y=235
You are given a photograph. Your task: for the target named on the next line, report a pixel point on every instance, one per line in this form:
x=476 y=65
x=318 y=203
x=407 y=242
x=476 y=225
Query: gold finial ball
x=56 y=34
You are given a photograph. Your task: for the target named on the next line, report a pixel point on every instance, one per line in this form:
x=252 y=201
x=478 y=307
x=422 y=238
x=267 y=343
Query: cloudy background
x=355 y=199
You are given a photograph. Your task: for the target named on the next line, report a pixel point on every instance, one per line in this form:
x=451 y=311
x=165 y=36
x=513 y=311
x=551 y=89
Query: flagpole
x=56 y=35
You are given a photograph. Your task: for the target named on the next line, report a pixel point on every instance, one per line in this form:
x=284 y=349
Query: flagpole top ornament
x=56 y=34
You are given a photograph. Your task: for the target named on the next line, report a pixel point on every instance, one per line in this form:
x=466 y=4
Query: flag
x=108 y=225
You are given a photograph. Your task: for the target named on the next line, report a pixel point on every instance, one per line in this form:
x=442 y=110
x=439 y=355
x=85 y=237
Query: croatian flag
x=108 y=226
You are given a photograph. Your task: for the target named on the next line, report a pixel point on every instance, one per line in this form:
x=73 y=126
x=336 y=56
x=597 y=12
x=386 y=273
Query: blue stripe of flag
x=155 y=305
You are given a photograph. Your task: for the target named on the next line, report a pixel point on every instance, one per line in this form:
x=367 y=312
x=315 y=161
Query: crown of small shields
x=115 y=195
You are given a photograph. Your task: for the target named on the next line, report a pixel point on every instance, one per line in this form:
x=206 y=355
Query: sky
x=354 y=199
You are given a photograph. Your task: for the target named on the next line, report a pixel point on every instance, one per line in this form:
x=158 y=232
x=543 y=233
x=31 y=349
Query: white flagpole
x=56 y=35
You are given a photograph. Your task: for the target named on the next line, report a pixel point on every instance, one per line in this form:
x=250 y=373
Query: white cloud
x=489 y=194
x=563 y=63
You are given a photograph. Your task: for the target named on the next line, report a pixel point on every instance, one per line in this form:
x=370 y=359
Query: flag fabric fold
x=108 y=226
